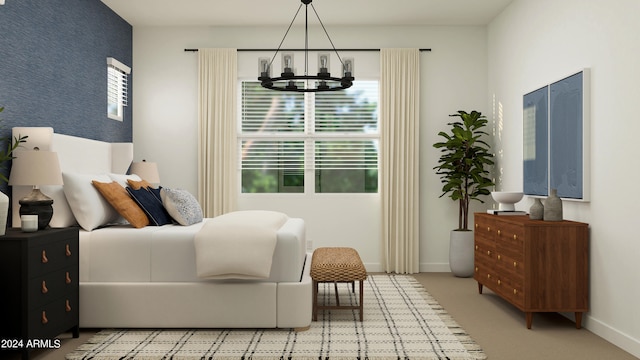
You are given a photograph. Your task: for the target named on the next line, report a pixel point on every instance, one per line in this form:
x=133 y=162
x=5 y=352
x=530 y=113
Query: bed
x=151 y=277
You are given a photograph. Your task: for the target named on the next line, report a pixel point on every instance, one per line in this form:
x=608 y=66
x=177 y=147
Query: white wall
x=165 y=122
x=535 y=42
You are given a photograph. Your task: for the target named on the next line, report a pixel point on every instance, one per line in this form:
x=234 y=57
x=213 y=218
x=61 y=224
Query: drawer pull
x=488 y=228
x=499 y=257
x=68 y=278
x=515 y=237
x=67 y=306
x=515 y=291
x=44 y=257
x=488 y=276
x=515 y=264
x=476 y=226
x=499 y=232
x=476 y=247
x=67 y=251
x=489 y=252
x=44 y=317
x=44 y=287
x=476 y=269
x=499 y=282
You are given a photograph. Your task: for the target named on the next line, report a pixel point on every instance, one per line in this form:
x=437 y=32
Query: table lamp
x=35 y=168
x=147 y=171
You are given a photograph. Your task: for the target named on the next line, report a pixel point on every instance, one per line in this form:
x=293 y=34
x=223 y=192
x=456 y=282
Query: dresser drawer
x=49 y=287
x=484 y=253
x=510 y=240
x=51 y=256
x=484 y=229
x=512 y=290
x=51 y=319
x=507 y=264
x=485 y=276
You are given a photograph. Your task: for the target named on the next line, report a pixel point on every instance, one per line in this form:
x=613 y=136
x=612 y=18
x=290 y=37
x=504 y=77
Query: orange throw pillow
x=118 y=197
x=136 y=185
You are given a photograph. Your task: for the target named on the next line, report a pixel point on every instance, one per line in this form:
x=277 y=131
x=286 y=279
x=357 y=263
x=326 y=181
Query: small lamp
x=35 y=168
x=147 y=171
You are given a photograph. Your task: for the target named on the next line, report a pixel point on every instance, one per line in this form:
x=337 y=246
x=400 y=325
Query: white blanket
x=238 y=245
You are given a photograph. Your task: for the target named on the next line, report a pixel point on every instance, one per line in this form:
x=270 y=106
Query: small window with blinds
x=325 y=142
x=117 y=80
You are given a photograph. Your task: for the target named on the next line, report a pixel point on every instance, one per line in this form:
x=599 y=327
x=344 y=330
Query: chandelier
x=323 y=80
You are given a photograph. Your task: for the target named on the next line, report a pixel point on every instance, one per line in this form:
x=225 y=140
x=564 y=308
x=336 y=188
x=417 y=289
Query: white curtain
x=217 y=92
x=399 y=150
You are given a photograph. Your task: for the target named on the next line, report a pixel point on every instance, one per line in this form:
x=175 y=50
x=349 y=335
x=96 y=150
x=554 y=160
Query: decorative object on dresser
x=507 y=199
x=43 y=298
x=537 y=266
x=553 y=207
x=462 y=169
x=536 y=210
x=36 y=168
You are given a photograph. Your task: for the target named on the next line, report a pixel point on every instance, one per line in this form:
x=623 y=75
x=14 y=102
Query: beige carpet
x=401 y=320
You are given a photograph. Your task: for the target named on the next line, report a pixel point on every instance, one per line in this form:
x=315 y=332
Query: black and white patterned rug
x=401 y=321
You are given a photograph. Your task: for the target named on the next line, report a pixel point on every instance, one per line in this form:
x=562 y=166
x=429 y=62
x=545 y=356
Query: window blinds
x=328 y=130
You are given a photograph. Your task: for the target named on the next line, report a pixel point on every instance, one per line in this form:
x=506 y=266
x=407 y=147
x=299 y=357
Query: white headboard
x=75 y=154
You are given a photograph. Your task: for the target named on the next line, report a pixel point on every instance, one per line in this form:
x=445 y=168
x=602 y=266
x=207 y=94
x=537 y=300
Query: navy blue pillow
x=151 y=206
x=156 y=192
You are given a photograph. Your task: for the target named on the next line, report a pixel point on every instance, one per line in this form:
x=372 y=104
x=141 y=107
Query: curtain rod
x=196 y=50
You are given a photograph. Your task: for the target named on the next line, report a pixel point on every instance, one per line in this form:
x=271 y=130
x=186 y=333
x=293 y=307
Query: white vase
x=4 y=212
x=461 y=253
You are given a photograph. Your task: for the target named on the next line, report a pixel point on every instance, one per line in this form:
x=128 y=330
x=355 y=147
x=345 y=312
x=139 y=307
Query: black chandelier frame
x=286 y=80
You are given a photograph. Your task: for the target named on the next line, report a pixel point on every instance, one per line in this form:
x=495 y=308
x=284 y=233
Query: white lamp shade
x=146 y=170
x=35 y=168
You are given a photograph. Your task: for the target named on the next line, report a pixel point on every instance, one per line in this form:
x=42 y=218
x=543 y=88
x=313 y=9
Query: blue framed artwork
x=556 y=138
x=536 y=142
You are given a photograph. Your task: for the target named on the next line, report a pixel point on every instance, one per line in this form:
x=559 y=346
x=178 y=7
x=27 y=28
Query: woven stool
x=337 y=264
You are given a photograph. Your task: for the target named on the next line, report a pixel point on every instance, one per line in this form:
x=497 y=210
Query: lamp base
x=42 y=208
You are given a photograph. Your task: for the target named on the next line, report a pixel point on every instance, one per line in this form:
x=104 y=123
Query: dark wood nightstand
x=39 y=288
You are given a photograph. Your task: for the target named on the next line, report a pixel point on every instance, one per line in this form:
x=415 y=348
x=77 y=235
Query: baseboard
x=614 y=336
x=435 y=267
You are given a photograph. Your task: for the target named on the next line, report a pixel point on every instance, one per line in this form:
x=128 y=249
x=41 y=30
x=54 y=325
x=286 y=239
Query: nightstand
x=39 y=288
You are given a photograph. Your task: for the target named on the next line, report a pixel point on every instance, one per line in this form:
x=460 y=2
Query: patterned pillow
x=151 y=206
x=182 y=206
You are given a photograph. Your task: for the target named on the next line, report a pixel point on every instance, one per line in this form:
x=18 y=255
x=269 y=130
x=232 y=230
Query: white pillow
x=122 y=178
x=62 y=214
x=89 y=207
x=181 y=205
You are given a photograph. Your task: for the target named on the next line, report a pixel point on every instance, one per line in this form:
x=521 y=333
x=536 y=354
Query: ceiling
x=331 y=12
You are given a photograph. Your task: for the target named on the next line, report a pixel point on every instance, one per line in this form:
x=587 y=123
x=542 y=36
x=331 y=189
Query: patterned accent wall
x=53 y=69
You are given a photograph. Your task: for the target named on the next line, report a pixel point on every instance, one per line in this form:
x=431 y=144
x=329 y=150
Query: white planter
x=4 y=212
x=461 y=253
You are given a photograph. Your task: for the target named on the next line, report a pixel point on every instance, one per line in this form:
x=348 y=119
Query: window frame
x=117 y=88
x=309 y=136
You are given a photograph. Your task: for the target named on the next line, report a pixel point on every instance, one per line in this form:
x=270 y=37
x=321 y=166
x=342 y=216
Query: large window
x=325 y=142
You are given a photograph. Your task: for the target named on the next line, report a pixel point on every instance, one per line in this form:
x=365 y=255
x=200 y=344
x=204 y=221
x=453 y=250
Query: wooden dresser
x=39 y=288
x=538 y=266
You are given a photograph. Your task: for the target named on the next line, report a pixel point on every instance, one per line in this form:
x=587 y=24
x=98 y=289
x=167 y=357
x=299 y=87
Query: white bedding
x=238 y=245
x=167 y=253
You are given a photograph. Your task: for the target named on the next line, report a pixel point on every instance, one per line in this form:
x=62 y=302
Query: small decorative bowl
x=507 y=199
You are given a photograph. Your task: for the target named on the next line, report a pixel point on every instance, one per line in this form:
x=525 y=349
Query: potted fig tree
x=463 y=167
